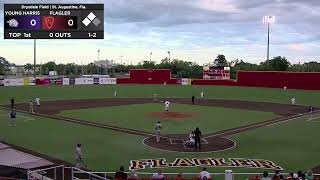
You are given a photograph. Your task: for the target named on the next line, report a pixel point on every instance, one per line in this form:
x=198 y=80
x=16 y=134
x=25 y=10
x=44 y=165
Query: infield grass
x=138 y=117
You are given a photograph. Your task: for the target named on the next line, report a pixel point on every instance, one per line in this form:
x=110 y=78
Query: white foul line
x=25 y=117
x=30 y=119
x=311 y=119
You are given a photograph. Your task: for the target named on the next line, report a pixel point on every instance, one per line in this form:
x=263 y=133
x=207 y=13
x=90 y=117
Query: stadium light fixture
x=268 y=20
x=98 y=55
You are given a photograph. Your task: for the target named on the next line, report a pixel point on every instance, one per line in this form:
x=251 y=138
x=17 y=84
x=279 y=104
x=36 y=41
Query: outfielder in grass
x=202 y=94
x=293 y=101
x=158 y=128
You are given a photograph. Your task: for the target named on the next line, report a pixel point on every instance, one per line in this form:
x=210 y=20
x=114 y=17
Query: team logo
x=49 y=22
x=201 y=162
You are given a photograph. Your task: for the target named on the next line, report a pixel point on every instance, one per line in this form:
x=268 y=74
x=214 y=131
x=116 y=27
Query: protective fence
x=62 y=172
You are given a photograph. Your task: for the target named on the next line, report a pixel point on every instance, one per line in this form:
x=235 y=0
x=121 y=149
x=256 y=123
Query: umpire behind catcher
x=197 y=138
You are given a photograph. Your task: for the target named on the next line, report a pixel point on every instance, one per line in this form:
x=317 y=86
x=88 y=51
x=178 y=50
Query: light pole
x=121 y=60
x=150 y=56
x=98 y=61
x=268 y=20
x=34 y=57
x=98 y=54
x=169 y=56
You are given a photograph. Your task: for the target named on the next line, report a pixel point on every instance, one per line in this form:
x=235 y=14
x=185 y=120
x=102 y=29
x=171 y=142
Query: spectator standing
x=265 y=176
x=204 y=174
x=179 y=177
x=276 y=175
x=121 y=174
x=133 y=174
x=309 y=175
x=158 y=175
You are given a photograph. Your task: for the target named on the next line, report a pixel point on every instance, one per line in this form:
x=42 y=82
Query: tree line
x=179 y=68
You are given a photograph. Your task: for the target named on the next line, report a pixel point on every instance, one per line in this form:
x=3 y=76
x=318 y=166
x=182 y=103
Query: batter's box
x=176 y=141
x=204 y=141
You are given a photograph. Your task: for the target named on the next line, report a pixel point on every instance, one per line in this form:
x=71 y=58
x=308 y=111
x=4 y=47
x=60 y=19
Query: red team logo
x=49 y=22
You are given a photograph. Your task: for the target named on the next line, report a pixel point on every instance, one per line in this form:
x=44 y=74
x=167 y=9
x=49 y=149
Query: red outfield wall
x=148 y=76
x=292 y=80
x=269 y=79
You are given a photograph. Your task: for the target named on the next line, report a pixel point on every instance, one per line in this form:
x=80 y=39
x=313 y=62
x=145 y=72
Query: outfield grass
x=291 y=145
x=25 y=93
x=208 y=119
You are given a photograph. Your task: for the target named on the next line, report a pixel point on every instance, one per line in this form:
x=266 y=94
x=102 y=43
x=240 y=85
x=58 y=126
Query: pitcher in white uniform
x=167 y=105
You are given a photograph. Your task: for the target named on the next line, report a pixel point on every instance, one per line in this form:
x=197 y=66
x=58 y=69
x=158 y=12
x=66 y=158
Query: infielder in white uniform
x=155 y=99
x=31 y=106
x=115 y=93
x=167 y=105
x=293 y=101
x=37 y=100
x=157 y=128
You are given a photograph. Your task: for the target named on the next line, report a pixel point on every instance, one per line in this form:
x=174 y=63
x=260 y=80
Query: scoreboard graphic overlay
x=53 y=21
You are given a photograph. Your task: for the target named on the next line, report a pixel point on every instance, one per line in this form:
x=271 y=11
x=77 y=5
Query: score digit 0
x=70 y=22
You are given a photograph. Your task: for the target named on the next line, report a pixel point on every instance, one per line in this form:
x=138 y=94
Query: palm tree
x=28 y=67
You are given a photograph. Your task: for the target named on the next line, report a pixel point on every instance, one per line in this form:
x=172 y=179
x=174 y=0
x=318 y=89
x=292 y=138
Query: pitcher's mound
x=170 y=115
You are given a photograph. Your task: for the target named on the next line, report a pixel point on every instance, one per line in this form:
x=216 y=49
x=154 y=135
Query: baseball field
x=236 y=122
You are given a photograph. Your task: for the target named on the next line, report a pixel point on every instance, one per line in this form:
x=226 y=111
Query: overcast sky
x=193 y=30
